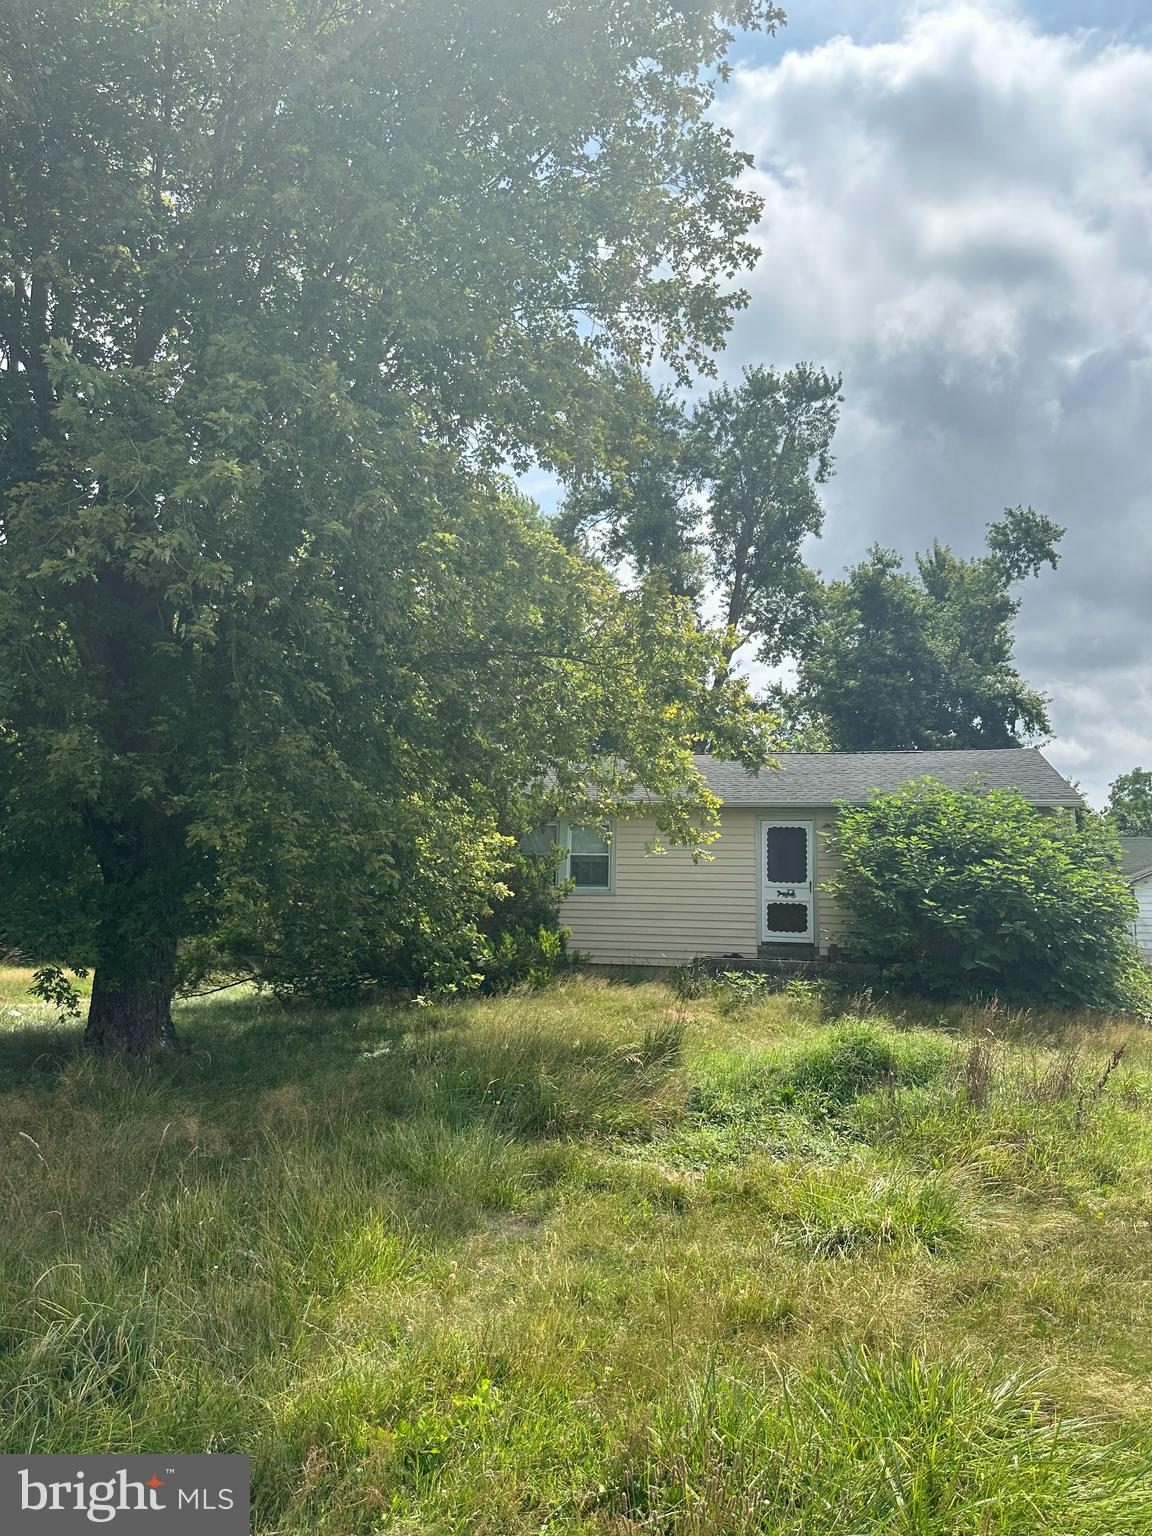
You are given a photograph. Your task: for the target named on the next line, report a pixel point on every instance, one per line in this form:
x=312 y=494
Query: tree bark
x=135 y=978
x=131 y=1009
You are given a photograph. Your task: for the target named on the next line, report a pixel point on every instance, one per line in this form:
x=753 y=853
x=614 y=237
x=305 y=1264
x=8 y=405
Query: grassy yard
x=598 y=1260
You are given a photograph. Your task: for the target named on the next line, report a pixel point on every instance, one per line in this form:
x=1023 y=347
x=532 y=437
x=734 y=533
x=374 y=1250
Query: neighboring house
x=1137 y=867
x=761 y=893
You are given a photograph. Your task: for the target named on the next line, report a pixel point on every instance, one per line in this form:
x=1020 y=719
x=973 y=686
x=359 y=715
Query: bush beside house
x=971 y=893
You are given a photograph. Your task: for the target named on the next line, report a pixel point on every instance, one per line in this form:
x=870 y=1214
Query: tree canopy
x=718 y=500
x=283 y=660
x=924 y=659
x=1130 y=802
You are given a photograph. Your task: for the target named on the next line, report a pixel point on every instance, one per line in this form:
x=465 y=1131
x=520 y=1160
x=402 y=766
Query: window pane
x=588 y=840
x=590 y=870
x=786 y=917
x=787 y=855
x=539 y=844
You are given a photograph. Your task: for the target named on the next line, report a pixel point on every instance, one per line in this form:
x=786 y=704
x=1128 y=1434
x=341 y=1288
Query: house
x=761 y=893
x=1136 y=865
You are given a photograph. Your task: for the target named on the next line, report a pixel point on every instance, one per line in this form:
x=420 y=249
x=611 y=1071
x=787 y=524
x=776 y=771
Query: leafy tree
x=761 y=450
x=904 y=660
x=1130 y=803
x=281 y=656
x=633 y=502
x=719 y=501
x=973 y=893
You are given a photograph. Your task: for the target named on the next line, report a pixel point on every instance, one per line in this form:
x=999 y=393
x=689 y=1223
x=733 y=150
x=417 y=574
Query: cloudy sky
x=959 y=218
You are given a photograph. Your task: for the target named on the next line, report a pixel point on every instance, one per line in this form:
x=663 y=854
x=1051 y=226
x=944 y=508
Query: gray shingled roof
x=1137 y=855
x=822 y=778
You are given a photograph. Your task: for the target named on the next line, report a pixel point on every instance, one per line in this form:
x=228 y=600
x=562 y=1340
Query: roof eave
x=777 y=805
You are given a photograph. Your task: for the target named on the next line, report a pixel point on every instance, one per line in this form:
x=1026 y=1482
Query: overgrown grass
x=597 y=1261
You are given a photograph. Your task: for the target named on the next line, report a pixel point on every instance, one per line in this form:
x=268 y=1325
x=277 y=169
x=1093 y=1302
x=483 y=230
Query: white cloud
x=960 y=218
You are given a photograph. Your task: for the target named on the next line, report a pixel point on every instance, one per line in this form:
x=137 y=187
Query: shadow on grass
x=517 y=1066
x=1045 y=1027
x=212 y=1210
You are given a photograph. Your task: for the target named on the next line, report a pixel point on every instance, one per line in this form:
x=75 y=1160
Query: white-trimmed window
x=589 y=859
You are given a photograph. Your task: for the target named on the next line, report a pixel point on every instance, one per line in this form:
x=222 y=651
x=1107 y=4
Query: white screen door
x=786 y=882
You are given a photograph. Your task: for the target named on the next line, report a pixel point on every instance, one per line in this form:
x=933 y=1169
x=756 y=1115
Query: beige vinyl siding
x=1144 y=917
x=664 y=909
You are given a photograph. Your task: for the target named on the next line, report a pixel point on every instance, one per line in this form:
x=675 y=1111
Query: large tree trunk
x=131 y=1009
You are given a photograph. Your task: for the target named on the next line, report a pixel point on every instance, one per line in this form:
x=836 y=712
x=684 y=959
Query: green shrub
x=700 y=978
x=746 y=986
x=524 y=942
x=967 y=893
x=754 y=986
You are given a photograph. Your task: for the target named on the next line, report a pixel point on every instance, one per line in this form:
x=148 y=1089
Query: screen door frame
x=800 y=893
